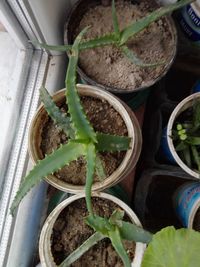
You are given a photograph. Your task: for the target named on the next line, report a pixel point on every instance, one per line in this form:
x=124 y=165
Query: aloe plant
x=83 y=140
x=186 y=137
x=120 y=38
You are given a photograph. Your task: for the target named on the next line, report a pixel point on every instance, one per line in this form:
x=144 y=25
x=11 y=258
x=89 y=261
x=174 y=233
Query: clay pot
x=72 y=23
x=131 y=156
x=181 y=107
x=46 y=257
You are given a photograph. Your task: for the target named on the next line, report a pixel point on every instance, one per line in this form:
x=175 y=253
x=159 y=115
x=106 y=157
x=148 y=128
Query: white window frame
x=29 y=20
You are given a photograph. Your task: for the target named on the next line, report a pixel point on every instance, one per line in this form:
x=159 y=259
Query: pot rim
x=44 y=241
x=116 y=90
x=129 y=160
x=182 y=106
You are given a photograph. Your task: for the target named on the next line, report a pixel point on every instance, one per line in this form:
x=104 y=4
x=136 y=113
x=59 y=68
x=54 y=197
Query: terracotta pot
x=182 y=106
x=72 y=23
x=46 y=257
x=130 y=159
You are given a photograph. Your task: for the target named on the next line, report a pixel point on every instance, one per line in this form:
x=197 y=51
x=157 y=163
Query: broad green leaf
x=142 y=23
x=81 y=125
x=137 y=61
x=132 y=232
x=76 y=254
x=90 y=170
x=173 y=248
x=115 y=20
x=53 y=162
x=187 y=156
x=107 y=142
x=55 y=113
x=193 y=140
x=118 y=246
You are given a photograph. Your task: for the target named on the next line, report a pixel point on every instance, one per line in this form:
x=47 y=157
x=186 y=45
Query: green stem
x=196 y=156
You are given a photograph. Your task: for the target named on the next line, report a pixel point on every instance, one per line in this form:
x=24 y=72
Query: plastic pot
x=187 y=202
x=131 y=156
x=72 y=23
x=181 y=107
x=46 y=257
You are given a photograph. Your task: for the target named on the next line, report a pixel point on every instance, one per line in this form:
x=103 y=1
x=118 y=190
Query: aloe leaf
x=132 y=232
x=76 y=254
x=105 y=40
x=62 y=156
x=99 y=168
x=54 y=112
x=83 y=129
x=99 y=224
x=195 y=155
x=115 y=20
x=118 y=246
x=107 y=142
x=61 y=48
x=137 y=61
x=90 y=159
x=116 y=217
x=173 y=248
x=142 y=23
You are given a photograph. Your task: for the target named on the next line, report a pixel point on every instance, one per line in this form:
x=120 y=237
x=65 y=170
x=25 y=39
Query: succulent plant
x=186 y=137
x=83 y=140
x=120 y=38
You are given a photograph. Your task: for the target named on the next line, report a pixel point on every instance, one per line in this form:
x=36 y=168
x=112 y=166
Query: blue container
x=187 y=202
x=165 y=147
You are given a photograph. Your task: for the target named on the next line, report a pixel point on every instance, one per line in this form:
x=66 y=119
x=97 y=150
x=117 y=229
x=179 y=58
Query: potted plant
x=63 y=243
x=66 y=229
x=83 y=141
x=183 y=134
x=125 y=43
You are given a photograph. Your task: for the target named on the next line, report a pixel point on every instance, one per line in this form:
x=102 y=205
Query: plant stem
x=76 y=254
x=196 y=156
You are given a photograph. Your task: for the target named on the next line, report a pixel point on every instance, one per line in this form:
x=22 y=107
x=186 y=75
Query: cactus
x=82 y=139
x=120 y=38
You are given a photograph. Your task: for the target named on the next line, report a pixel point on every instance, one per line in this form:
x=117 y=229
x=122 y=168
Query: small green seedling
x=120 y=38
x=83 y=140
x=186 y=138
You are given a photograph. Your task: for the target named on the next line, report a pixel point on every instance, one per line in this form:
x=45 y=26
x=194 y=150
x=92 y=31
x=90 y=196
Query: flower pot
x=115 y=84
x=187 y=204
x=46 y=233
x=181 y=107
x=130 y=158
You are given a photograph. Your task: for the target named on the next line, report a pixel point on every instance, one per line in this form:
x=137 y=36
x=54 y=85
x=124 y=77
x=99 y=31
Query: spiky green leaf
x=142 y=23
x=137 y=61
x=108 y=142
x=61 y=48
x=115 y=20
x=116 y=217
x=99 y=168
x=62 y=156
x=99 y=224
x=60 y=118
x=196 y=114
x=196 y=157
x=119 y=247
x=132 y=232
x=90 y=170
x=82 y=127
x=173 y=248
x=76 y=254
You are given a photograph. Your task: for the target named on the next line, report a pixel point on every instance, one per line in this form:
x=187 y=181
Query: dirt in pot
x=196 y=222
x=103 y=118
x=70 y=231
x=107 y=65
